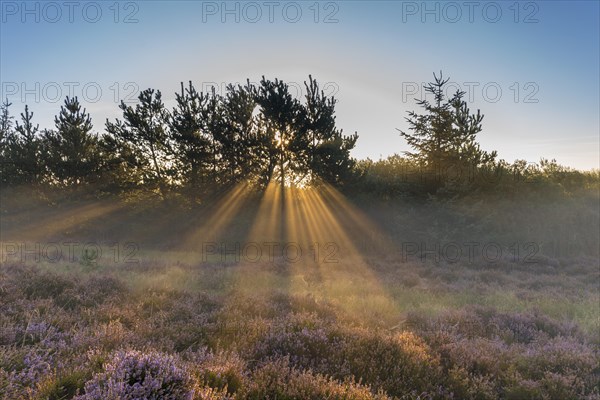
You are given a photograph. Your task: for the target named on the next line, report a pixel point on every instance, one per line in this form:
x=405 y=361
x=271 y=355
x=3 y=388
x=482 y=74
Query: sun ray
x=211 y=229
x=313 y=219
x=266 y=227
x=350 y=271
x=61 y=224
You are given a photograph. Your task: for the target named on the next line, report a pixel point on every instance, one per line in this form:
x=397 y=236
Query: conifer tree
x=193 y=141
x=24 y=153
x=285 y=131
x=72 y=149
x=6 y=137
x=445 y=135
x=142 y=137
x=329 y=149
x=241 y=135
x=6 y=121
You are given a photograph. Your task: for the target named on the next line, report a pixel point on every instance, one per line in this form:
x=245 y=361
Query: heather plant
x=134 y=375
x=66 y=341
x=25 y=373
x=277 y=379
x=300 y=336
x=100 y=288
x=63 y=384
x=396 y=363
x=401 y=364
x=224 y=372
x=45 y=285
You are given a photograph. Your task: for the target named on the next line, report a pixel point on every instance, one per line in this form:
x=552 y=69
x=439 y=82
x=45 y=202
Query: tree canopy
x=444 y=136
x=254 y=133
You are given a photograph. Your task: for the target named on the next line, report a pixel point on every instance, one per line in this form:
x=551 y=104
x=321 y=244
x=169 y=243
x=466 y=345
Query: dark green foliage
x=285 y=130
x=260 y=133
x=329 y=148
x=242 y=140
x=143 y=142
x=397 y=176
x=254 y=134
x=191 y=128
x=444 y=136
x=22 y=150
x=73 y=155
x=6 y=121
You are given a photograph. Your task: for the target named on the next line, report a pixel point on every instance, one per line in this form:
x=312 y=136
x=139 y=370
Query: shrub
x=137 y=375
x=64 y=385
x=399 y=364
x=278 y=380
x=224 y=372
x=45 y=285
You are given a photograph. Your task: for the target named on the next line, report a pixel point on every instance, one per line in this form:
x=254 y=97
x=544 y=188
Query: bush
x=137 y=375
x=399 y=364
x=278 y=380
x=45 y=285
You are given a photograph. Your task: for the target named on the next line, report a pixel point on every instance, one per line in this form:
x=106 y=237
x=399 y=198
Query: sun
x=281 y=140
x=285 y=166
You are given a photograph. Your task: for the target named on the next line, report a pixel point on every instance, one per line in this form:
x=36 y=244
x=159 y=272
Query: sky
x=531 y=67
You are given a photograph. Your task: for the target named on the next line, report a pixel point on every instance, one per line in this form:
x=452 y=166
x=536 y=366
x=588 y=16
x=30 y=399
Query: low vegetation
x=445 y=273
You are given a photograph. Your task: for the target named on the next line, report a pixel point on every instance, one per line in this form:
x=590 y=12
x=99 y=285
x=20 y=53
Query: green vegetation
x=258 y=134
x=152 y=261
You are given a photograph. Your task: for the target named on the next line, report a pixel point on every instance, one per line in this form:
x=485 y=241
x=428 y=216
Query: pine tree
x=285 y=131
x=5 y=123
x=241 y=135
x=6 y=137
x=73 y=154
x=142 y=140
x=432 y=135
x=329 y=149
x=445 y=135
x=465 y=148
x=22 y=151
x=193 y=142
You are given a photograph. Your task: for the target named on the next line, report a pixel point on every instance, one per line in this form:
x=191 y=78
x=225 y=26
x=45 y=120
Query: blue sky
x=531 y=67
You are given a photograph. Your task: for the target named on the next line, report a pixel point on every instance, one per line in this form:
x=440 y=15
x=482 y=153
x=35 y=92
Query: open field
x=375 y=316
x=299 y=200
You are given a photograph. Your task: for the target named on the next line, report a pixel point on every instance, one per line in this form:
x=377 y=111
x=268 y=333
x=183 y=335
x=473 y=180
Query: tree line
x=253 y=133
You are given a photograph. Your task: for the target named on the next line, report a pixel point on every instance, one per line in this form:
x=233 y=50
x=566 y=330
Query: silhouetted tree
x=121 y=168
x=72 y=149
x=286 y=141
x=6 y=121
x=247 y=142
x=6 y=134
x=445 y=135
x=22 y=155
x=142 y=139
x=329 y=149
x=253 y=133
x=191 y=129
x=465 y=148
